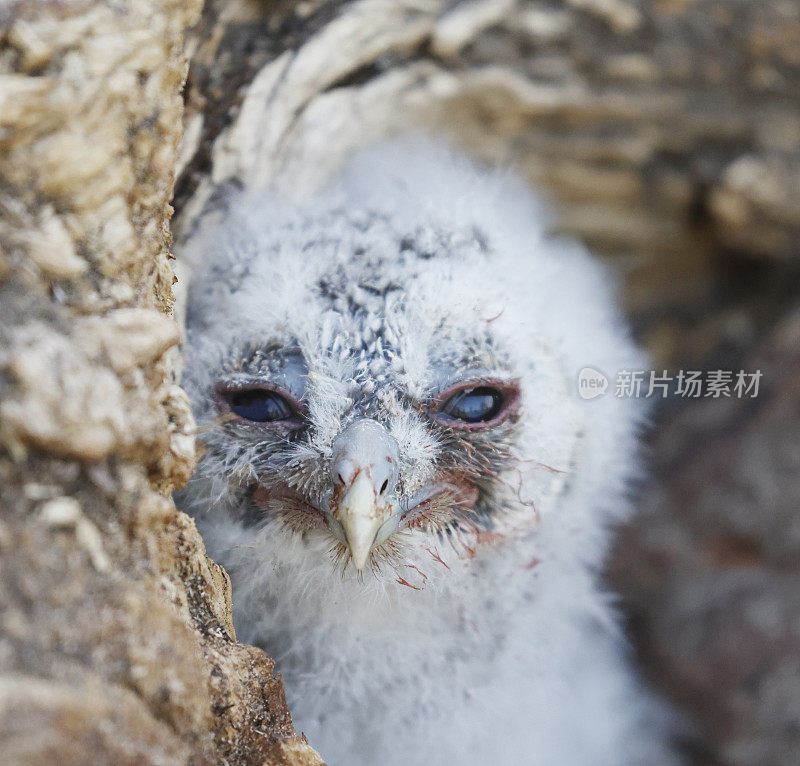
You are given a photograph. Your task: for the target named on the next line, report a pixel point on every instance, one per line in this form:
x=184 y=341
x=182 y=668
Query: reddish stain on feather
x=437 y=557
x=401 y=581
x=549 y=467
x=422 y=574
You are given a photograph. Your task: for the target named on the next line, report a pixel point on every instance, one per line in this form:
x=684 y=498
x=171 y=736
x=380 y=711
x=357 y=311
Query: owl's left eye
x=476 y=405
x=261 y=405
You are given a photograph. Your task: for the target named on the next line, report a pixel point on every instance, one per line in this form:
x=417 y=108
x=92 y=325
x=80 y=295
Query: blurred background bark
x=666 y=133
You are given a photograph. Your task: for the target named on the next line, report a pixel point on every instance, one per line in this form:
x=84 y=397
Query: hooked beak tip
x=359 y=556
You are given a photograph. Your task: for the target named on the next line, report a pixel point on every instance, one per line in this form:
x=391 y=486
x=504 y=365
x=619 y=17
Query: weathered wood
x=667 y=133
x=116 y=639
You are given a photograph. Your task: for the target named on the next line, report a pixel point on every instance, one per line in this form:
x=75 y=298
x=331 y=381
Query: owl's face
x=385 y=380
x=374 y=405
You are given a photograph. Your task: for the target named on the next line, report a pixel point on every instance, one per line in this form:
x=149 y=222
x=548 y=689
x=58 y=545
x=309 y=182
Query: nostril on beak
x=384 y=485
x=340 y=478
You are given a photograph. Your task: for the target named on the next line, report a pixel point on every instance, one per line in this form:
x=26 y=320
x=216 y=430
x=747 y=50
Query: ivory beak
x=363 y=473
x=362 y=512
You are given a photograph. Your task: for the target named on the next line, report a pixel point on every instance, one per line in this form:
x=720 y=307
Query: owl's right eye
x=261 y=405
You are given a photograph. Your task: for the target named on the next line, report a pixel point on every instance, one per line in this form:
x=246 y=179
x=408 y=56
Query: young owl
x=410 y=495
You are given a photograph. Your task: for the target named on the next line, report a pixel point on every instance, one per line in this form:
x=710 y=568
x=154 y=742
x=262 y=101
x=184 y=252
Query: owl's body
x=413 y=333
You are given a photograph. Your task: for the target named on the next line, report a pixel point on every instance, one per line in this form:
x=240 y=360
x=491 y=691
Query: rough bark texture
x=667 y=132
x=116 y=643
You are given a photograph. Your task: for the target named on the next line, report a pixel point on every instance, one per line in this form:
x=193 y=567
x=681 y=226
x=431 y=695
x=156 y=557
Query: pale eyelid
x=286 y=369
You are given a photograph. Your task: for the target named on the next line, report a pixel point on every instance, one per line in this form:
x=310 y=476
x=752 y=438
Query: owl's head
x=386 y=375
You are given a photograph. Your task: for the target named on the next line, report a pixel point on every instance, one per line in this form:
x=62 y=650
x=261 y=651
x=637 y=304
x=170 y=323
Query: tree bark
x=667 y=134
x=117 y=642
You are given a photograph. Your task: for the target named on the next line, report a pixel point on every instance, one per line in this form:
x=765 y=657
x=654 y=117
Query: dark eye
x=480 y=404
x=474 y=405
x=261 y=405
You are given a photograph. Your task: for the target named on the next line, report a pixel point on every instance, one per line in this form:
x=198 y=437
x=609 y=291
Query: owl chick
x=410 y=496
